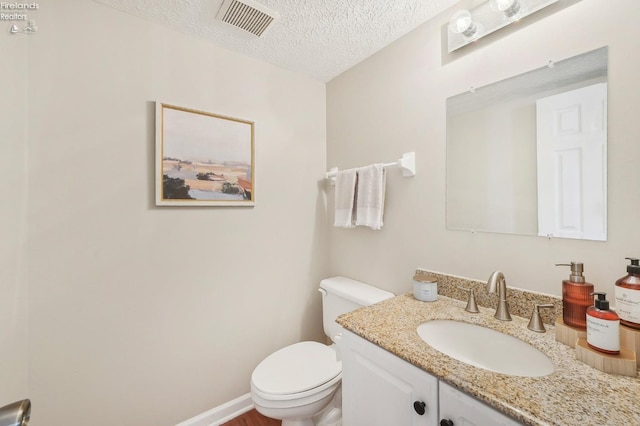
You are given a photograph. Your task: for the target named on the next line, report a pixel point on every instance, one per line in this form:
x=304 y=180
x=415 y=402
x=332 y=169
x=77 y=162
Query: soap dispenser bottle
x=603 y=326
x=628 y=295
x=576 y=297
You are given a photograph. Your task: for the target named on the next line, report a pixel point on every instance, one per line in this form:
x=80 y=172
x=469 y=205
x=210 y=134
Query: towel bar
x=407 y=163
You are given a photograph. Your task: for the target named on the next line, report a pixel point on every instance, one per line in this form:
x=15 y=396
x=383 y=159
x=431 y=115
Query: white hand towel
x=370 y=196
x=345 y=198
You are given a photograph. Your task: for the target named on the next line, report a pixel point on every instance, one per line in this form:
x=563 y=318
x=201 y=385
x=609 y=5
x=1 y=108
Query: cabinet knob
x=420 y=407
x=446 y=422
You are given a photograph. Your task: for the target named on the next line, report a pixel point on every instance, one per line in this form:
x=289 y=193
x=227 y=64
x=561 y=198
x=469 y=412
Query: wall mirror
x=528 y=155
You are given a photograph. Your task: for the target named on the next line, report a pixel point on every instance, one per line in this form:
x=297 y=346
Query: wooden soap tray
x=626 y=363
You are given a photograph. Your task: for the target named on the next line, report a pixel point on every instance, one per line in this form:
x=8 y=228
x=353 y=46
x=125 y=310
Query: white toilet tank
x=341 y=295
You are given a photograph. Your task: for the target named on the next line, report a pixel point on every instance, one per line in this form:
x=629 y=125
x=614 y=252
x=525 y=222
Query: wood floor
x=252 y=418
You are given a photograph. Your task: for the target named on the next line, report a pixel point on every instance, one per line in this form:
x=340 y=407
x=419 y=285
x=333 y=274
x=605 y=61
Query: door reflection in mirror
x=572 y=163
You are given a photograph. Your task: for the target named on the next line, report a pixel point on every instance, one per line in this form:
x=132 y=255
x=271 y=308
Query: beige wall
x=149 y=316
x=395 y=102
x=13 y=187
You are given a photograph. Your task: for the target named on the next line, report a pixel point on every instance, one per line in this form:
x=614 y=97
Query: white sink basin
x=485 y=348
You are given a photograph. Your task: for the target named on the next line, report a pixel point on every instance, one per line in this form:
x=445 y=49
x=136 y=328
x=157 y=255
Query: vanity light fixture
x=467 y=26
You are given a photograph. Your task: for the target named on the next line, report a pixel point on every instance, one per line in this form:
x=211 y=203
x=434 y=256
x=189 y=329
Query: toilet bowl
x=296 y=383
x=300 y=384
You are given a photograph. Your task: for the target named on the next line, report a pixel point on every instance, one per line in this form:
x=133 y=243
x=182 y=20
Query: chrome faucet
x=496 y=280
x=16 y=414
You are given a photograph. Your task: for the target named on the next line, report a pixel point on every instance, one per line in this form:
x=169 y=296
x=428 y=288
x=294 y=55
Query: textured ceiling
x=318 y=38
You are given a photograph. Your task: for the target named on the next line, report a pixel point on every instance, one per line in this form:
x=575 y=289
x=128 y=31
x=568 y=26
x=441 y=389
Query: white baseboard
x=222 y=413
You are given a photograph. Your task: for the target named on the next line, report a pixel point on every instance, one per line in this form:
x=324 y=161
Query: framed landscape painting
x=203 y=159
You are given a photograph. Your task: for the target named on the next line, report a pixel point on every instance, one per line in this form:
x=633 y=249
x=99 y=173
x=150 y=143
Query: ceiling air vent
x=247 y=15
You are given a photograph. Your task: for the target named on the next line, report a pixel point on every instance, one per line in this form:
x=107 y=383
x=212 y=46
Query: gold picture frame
x=203 y=159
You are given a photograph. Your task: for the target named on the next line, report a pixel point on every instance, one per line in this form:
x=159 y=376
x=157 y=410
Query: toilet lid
x=296 y=368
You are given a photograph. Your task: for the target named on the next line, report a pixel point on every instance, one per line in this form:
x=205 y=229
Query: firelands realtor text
x=12 y=11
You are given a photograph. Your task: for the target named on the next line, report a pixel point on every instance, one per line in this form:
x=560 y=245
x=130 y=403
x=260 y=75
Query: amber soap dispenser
x=628 y=295
x=576 y=297
x=603 y=326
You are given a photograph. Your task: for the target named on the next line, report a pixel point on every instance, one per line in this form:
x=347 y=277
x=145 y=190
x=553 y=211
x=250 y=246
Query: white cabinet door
x=462 y=410
x=380 y=389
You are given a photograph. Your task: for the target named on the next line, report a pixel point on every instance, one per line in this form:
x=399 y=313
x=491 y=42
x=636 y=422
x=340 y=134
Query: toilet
x=300 y=384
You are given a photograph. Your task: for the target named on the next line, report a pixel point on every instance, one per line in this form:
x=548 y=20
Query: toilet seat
x=296 y=371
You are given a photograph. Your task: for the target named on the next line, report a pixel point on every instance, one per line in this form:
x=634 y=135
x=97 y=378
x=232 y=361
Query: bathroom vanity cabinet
x=461 y=409
x=381 y=389
x=378 y=388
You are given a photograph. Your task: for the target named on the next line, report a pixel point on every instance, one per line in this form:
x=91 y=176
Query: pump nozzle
x=602 y=303
x=634 y=267
x=576 y=271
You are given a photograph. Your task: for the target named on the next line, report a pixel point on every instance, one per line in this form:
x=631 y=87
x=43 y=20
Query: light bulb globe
x=462 y=23
x=510 y=8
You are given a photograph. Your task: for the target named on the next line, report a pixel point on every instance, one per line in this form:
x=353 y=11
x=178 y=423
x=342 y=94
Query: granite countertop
x=574 y=394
